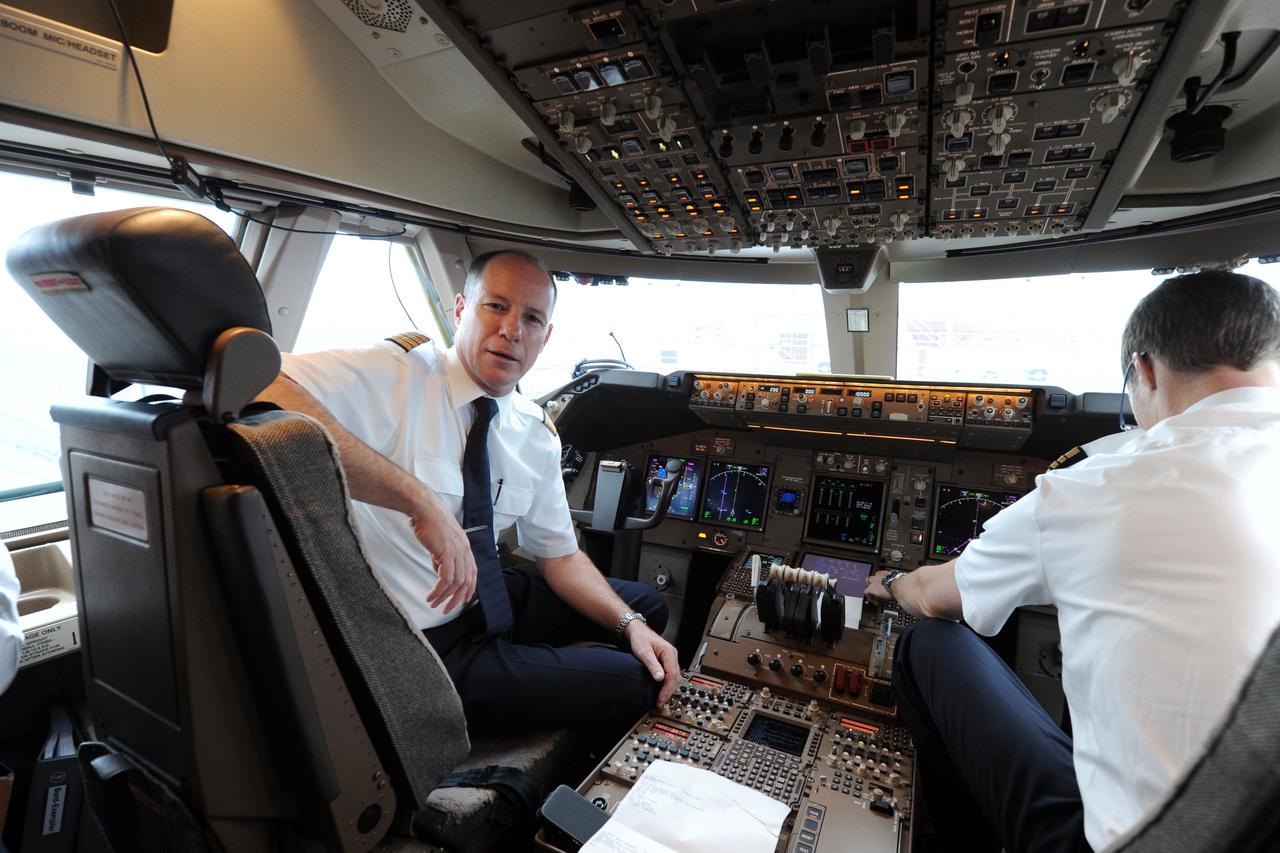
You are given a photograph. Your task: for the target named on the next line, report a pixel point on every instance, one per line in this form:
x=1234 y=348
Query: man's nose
x=510 y=328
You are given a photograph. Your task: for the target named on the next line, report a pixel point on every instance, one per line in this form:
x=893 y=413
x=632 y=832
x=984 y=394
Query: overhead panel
x=701 y=127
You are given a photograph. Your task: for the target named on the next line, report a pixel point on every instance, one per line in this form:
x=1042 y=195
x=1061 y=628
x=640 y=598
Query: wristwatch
x=889 y=579
x=627 y=619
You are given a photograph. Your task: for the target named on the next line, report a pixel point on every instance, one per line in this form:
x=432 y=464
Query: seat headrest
x=144 y=292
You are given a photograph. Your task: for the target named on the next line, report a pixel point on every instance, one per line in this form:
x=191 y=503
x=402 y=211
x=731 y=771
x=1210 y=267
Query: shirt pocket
x=442 y=476
x=513 y=503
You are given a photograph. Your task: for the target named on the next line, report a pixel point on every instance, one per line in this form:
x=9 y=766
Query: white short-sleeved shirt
x=10 y=630
x=1160 y=557
x=415 y=409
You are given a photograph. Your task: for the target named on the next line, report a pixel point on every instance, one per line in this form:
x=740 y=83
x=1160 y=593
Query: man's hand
x=658 y=656
x=876 y=590
x=440 y=533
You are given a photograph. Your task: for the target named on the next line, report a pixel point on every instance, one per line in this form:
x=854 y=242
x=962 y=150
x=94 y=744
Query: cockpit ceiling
x=806 y=124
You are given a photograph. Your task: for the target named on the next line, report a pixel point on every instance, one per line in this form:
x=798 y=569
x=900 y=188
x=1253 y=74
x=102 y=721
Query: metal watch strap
x=891 y=577
x=627 y=618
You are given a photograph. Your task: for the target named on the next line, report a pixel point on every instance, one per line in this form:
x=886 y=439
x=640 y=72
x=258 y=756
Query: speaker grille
x=394 y=17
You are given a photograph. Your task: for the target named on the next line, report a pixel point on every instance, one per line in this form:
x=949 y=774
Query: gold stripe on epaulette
x=408 y=340
x=1067 y=459
x=549 y=424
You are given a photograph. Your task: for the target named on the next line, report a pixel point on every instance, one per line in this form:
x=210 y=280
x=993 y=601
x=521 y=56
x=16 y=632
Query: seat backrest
x=1229 y=802
x=237 y=645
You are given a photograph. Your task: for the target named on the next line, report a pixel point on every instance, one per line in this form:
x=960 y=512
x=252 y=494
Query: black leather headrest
x=144 y=292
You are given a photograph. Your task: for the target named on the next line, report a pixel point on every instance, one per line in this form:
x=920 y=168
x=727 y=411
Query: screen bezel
x=819 y=542
x=764 y=510
x=697 y=489
x=937 y=506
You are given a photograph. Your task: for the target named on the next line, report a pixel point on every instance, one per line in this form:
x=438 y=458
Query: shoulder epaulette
x=408 y=340
x=1066 y=460
x=548 y=423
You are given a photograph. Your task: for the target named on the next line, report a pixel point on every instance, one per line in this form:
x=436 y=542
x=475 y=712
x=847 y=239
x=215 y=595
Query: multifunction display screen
x=845 y=510
x=850 y=575
x=736 y=494
x=776 y=734
x=684 y=503
x=961 y=514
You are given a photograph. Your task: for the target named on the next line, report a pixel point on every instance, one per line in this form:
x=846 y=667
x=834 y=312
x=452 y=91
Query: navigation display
x=850 y=575
x=684 y=503
x=961 y=514
x=845 y=510
x=736 y=494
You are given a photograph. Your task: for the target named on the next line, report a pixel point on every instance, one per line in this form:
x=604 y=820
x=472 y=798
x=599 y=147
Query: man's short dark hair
x=1199 y=321
x=475 y=272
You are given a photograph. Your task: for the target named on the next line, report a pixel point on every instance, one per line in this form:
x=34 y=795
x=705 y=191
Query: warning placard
x=49 y=641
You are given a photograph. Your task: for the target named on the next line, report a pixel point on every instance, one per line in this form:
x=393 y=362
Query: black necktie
x=477 y=517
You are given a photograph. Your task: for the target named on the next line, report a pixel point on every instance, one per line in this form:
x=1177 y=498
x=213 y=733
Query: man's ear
x=547 y=337
x=1145 y=368
x=459 y=302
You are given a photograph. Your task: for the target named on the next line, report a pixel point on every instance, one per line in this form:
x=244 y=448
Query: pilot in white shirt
x=400 y=414
x=414 y=408
x=1158 y=554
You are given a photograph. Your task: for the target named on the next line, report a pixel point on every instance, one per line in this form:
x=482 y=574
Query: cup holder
x=36 y=602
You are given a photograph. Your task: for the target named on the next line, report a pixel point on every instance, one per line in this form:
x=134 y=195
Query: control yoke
x=607 y=514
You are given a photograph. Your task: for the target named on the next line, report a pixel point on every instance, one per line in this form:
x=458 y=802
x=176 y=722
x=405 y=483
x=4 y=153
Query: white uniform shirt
x=1160 y=557
x=415 y=409
x=10 y=632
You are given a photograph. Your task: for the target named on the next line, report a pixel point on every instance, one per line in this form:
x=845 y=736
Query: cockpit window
x=38 y=364
x=1044 y=330
x=367 y=290
x=664 y=325
x=1059 y=330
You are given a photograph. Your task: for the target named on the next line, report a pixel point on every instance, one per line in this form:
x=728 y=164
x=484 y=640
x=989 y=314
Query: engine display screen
x=776 y=734
x=845 y=510
x=736 y=494
x=850 y=575
x=684 y=503
x=961 y=514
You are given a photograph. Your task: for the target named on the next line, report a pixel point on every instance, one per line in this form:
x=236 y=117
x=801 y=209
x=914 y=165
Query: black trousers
x=526 y=680
x=993 y=770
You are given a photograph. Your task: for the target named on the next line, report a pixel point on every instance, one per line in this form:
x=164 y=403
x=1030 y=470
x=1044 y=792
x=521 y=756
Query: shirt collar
x=1256 y=396
x=463 y=390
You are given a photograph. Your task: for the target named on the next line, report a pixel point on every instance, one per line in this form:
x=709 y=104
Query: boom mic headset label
x=59 y=38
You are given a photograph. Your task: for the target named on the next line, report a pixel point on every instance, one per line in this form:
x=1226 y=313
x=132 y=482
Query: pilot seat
x=251 y=684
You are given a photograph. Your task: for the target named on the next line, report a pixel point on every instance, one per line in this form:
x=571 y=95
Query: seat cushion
x=479 y=819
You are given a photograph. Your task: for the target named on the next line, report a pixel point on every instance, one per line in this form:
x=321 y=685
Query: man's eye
x=534 y=319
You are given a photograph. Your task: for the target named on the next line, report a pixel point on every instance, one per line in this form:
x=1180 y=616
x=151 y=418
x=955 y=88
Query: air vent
x=391 y=15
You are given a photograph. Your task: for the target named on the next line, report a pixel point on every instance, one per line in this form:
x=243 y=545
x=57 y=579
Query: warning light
x=642 y=182
x=701 y=535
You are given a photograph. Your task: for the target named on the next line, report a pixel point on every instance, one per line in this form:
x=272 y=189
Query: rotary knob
x=797 y=669
x=958 y=121
x=820 y=675
x=953 y=168
x=775 y=664
x=753 y=659
x=608 y=113
x=894 y=123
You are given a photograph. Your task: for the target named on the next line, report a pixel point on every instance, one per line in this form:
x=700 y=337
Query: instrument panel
x=715 y=126
x=799 y=501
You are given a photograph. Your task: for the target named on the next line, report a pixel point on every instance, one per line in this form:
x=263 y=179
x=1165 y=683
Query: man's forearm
x=576 y=580
x=371 y=477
